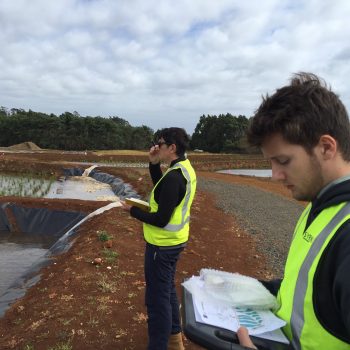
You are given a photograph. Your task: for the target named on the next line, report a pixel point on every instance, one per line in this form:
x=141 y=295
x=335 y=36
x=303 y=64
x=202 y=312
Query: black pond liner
x=57 y=223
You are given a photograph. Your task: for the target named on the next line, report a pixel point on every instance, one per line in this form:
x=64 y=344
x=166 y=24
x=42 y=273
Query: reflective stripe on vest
x=173 y=227
x=295 y=295
x=298 y=316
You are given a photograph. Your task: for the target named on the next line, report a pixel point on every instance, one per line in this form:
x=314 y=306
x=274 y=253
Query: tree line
x=71 y=131
x=223 y=133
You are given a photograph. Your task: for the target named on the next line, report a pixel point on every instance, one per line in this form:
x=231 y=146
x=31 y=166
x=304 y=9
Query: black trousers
x=161 y=299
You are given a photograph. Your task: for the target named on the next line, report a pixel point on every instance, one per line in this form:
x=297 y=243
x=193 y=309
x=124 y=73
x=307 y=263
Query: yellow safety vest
x=296 y=292
x=177 y=230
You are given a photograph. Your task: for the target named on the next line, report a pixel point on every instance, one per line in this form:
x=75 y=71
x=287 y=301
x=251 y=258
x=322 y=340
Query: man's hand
x=244 y=339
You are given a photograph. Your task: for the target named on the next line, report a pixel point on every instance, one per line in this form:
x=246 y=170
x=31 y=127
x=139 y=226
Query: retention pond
x=29 y=237
x=248 y=172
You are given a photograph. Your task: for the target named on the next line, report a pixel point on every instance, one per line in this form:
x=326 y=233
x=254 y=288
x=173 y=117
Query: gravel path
x=267 y=215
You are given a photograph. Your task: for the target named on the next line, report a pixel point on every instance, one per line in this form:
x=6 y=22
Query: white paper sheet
x=260 y=323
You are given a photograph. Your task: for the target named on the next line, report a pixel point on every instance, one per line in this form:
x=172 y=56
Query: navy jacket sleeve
x=272 y=286
x=332 y=301
x=342 y=290
x=156 y=172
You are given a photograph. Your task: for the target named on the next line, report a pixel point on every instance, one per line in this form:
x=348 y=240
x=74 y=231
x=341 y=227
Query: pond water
x=18 y=252
x=248 y=172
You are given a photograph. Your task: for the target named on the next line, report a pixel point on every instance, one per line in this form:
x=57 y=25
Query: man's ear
x=328 y=147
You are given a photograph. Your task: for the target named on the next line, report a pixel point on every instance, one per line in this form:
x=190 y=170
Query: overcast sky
x=166 y=62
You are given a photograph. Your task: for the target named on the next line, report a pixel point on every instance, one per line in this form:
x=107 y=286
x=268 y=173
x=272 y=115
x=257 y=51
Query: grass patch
x=28 y=347
x=62 y=346
x=103 y=236
x=106 y=285
x=93 y=322
x=17 y=321
x=65 y=321
x=110 y=255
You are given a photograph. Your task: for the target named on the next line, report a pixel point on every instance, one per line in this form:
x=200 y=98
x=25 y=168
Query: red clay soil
x=82 y=306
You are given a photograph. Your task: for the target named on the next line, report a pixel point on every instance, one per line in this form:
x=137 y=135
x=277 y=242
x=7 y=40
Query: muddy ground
x=79 y=305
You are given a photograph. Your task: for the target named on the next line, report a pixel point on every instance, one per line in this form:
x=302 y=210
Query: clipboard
x=214 y=338
x=135 y=202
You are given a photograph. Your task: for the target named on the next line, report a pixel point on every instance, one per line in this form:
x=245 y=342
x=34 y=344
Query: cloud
x=165 y=63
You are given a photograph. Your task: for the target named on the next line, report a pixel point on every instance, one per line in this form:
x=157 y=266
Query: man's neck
x=334 y=169
x=339 y=173
x=333 y=183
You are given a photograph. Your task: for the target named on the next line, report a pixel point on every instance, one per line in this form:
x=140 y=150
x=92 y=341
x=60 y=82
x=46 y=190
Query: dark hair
x=302 y=112
x=175 y=136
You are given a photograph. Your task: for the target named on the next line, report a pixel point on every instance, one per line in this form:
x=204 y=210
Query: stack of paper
x=208 y=310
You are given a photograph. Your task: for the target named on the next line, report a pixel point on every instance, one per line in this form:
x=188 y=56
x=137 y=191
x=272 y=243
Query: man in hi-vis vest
x=166 y=231
x=304 y=130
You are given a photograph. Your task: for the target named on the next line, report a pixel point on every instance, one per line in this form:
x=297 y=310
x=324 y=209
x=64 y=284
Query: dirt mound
x=24 y=146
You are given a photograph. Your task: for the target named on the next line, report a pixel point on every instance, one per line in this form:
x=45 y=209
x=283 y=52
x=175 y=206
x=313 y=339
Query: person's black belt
x=168 y=247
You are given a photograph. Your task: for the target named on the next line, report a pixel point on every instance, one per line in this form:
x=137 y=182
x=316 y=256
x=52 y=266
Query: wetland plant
x=27 y=185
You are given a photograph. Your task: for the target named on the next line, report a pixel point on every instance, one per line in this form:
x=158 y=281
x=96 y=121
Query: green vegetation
x=109 y=255
x=71 y=131
x=106 y=284
x=103 y=236
x=219 y=134
x=62 y=346
x=28 y=347
x=24 y=186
